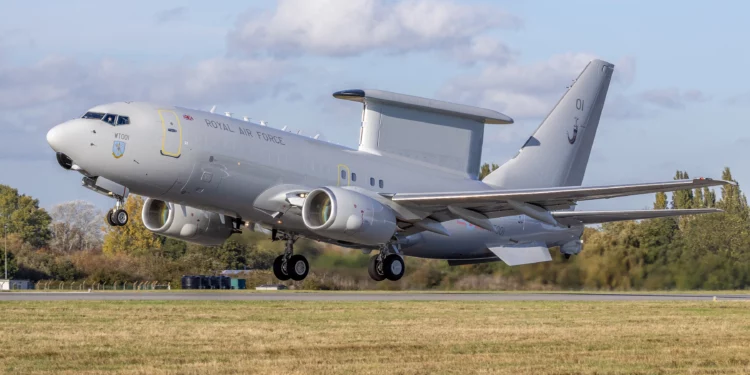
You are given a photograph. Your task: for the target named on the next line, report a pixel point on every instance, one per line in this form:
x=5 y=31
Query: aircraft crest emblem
x=118 y=149
x=572 y=140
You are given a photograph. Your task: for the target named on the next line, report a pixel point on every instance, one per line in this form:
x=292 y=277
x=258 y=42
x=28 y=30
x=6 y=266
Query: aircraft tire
x=393 y=267
x=372 y=269
x=277 y=268
x=120 y=217
x=110 y=220
x=297 y=267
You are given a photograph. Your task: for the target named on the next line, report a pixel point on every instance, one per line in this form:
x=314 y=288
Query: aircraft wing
x=596 y=217
x=547 y=196
x=478 y=206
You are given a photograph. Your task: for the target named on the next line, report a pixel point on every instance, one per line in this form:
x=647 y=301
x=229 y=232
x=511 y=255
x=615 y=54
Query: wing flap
x=596 y=217
x=515 y=255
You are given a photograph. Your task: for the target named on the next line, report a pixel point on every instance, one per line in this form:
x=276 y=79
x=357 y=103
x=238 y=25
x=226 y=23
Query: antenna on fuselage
x=213 y=109
x=282 y=129
x=262 y=123
x=228 y=114
x=245 y=118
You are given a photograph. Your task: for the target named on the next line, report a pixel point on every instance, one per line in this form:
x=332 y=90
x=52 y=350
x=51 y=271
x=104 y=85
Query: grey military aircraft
x=411 y=188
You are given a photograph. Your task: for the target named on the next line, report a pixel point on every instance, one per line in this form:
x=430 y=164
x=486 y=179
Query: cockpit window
x=110 y=119
x=94 y=115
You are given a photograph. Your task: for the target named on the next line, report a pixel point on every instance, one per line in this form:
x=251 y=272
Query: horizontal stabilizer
x=515 y=255
x=596 y=217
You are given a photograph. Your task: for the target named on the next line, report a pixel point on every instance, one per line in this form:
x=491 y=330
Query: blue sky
x=678 y=100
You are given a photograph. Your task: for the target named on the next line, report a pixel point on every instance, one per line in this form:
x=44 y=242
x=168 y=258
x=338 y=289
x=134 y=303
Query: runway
x=358 y=296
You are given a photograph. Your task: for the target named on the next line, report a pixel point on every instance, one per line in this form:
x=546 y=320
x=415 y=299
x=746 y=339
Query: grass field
x=374 y=337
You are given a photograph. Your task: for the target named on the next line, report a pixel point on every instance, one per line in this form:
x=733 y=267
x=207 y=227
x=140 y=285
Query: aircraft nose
x=54 y=137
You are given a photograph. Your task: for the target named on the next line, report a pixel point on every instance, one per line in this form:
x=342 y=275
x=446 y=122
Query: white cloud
x=672 y=98
x=35 y=97
x=625 y=69
x=353 y=27
x=65 y=79
x=172 y=14
x=741 y=99
x=525 y=90
x=531 y=90
x=483 y=48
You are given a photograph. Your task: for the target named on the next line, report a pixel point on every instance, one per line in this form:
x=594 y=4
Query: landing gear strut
x=388 y=264
x=288 y=265
x=117 y=216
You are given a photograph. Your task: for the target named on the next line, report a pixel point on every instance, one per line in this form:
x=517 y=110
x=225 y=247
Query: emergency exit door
x=171 y=141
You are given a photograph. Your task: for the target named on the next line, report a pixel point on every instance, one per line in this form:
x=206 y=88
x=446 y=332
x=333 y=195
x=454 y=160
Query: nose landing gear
x=117 y=216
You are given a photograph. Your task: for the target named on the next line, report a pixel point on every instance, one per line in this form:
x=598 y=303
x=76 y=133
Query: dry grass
x=375 y=337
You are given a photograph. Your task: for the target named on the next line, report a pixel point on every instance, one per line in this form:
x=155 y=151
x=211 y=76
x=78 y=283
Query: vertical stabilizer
x=558 y=151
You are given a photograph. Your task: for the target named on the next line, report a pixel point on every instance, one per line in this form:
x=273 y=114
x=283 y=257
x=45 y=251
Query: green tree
x=486 y=169
x=133 y=238
x=172 y=248
x=12 y=264
x=661 y=201
x=231 y=255
x=709 y=197
x=682 y=198
x=698 y=200
x=23 y=216
x=733 y=201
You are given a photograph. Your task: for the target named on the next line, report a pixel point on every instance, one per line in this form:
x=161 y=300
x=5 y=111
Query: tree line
x=73 y=242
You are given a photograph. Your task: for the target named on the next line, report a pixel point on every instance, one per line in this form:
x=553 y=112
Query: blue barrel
x=226 y=282
x=215 y=282
x=205 y=282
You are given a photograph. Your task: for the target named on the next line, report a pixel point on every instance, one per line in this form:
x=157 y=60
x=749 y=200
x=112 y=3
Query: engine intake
x=347 y=215
x=186 y=223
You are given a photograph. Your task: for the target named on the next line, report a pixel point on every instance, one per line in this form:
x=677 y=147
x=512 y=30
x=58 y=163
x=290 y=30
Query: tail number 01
x=579 y=104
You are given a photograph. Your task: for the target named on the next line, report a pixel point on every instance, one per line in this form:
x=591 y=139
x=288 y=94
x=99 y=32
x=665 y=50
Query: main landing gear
x=288 y=265
x=387 y=264
x=117 y=216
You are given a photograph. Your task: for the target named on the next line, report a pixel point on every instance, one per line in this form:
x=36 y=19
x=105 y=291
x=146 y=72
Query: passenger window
x=93 y=115
x=354 y=177
x=110 y=119
x=380 y=183
x=343 y=175
x=123 y=120
x=372 y=181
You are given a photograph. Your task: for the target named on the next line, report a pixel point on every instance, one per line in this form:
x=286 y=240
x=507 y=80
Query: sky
x=677 y=101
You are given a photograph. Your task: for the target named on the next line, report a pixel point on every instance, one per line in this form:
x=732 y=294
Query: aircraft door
x=171 y=141
x=344 y=177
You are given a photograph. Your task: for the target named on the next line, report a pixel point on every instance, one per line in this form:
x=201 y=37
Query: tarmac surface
x=356 y=296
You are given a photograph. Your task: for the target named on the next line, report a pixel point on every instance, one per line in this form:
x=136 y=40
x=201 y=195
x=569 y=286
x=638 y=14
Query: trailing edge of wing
x=595 y=217
x=549 y=196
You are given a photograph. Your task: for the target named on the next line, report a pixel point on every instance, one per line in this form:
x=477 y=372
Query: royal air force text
x=246 y=132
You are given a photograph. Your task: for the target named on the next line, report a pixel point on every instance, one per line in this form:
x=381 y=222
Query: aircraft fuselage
x=221 y=164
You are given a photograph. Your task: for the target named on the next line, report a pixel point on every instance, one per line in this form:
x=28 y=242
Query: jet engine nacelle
x=572 y=248
x=186 y=223
x=346 y=215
